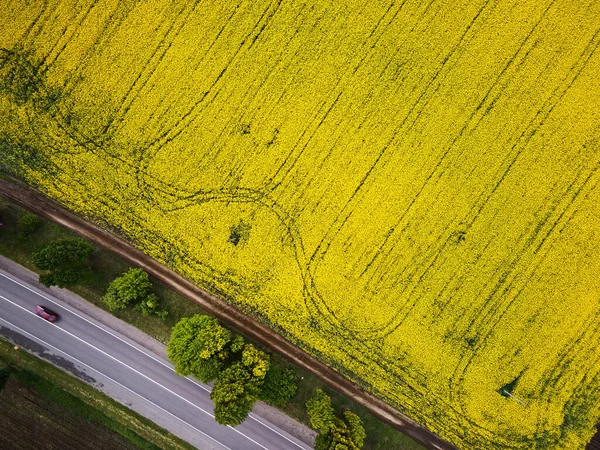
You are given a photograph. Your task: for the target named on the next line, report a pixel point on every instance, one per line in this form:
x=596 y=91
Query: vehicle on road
x=45 y=313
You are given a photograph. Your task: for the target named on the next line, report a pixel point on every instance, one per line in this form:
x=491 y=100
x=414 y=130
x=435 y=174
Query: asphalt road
x=127 y=372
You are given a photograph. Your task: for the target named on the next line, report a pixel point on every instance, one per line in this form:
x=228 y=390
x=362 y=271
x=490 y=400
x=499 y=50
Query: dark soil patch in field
x=29 y=420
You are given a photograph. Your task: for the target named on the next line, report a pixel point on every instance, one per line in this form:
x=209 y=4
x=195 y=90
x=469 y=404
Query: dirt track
x=45 y=207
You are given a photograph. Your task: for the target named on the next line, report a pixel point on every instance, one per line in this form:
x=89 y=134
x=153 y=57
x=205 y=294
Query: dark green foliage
x=239 y=232
x=508 y=388
x=63 y=253
x=198 y=347
x=279 y=385
x=320 y=411
x=238 y=386
x=234 y=393
x=28 y=224
x=134 y=285
x=66 y=260
x=5 y=372
x=64 y=277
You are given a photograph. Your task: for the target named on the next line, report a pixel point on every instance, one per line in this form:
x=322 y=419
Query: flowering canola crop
x=408 y=190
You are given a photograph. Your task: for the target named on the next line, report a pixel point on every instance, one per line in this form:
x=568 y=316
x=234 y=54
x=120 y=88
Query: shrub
x=150 y=305
x=65 y=259
x=279 y=385
x=27 y=225
x=131 y=286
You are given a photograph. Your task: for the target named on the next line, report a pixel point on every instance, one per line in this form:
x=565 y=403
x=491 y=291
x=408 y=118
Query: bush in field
x=198 y=347
x=279 y=385
x=238 y=386
x=66 y=260
x=27 y=225
x=132 y=286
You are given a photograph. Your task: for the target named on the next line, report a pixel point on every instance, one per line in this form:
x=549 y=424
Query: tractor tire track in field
x=341 y=219
x=504 y=73
x=222 y=310
x=190 y=115
x=512 y=157
x=547 y=109
x=147 y=69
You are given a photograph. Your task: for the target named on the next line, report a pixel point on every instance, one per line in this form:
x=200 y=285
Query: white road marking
x=252 y=416
x=114 y=381
x=134 y=370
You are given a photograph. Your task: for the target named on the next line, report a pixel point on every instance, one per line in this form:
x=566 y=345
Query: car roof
x=49 y=311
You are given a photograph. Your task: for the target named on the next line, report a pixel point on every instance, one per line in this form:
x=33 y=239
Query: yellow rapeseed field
x=406 y=189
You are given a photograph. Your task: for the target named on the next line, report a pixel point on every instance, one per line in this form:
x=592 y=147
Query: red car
x=45 y=313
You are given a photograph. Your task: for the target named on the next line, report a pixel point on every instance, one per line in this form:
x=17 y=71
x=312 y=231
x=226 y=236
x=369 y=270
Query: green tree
x=320 y=411
x=131 y=286
x=237 y=344
x=279 y=385
x=66 y=260
x=238 y=386
x=198 y=347
x=255 y=360
x=356 y=429
x=336 y=438
x=63 y=253
x=234 y=393
x=27 y=225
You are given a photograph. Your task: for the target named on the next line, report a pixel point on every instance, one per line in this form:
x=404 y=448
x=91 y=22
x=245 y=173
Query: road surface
x=127 y=372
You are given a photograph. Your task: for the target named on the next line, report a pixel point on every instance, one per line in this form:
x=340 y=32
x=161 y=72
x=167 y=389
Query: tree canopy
x=237 y=387
x=334 y=433
x=320 y=411
x=66 y=260
x=279 y=385
x=198 y=347
x=134 y=285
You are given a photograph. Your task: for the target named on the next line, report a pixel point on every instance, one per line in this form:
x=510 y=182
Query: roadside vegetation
x=113 y=285
x=42 y=403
